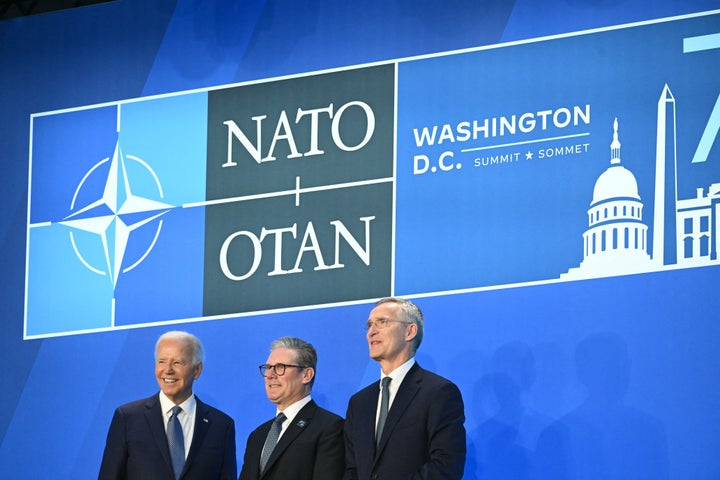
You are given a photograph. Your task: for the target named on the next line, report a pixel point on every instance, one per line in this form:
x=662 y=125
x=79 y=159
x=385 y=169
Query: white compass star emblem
x=109 y=216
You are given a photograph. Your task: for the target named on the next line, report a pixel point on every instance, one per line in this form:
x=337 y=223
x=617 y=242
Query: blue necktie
x=271 y=440
x=384 y=402
x=176 y=441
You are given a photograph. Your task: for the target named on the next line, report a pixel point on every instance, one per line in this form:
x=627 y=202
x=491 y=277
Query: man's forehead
x=174 y=355
x=282 y=353
x=385 y=310
x=172 y=349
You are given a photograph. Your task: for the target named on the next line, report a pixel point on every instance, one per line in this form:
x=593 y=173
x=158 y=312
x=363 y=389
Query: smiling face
x=174 y=369
x=294 y=384
x=391 y=345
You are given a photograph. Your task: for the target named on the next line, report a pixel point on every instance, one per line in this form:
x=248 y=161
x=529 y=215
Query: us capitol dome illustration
x=616 y=240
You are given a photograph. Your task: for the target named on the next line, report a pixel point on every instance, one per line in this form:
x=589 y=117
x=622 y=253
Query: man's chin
x=272 y=397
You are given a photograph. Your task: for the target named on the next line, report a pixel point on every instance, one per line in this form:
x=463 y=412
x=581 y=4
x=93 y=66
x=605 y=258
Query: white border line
x=396 y=62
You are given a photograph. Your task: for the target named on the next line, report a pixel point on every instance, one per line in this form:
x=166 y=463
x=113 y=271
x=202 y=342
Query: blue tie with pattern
x=271 y=440
x=176 y=441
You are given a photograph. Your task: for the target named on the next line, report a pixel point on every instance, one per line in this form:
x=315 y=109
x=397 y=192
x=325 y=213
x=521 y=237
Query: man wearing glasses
x=303 y=441
x=410 y=423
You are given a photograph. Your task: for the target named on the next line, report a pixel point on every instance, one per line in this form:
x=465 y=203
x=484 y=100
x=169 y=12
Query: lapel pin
x=301 y=423
x=206 y=420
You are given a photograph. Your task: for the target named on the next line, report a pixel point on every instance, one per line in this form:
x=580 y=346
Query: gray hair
x=192 y=343
x=305 y=354
x=412 y=314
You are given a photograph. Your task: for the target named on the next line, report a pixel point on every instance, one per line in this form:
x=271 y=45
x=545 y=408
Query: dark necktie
x=271 y=440
x=384 y=402
x=176 y=441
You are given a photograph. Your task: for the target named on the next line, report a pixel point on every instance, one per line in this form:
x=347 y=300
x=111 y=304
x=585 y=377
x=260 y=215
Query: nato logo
x=211 y=204
x=115 y=216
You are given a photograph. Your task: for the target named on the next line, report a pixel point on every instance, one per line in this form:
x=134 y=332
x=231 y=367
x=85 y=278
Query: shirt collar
x=398 y=375
x=166 y=404
x=291 y=411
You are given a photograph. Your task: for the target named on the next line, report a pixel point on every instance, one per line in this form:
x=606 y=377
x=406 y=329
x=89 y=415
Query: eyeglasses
x=278 y=368
x=381 y=323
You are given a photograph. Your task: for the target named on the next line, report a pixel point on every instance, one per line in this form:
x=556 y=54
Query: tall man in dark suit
x=310 y=445
x=153 y=439
x=412 y=427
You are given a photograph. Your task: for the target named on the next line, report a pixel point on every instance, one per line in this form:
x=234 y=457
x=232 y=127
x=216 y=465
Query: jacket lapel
x=407 y=391
x=156 y=423
x=202 y=425
x=298 y=425
x=369 y=411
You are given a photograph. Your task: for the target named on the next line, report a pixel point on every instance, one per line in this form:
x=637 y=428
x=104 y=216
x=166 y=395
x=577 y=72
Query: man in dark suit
x=310 y=445
x=171 y=435
x=412 y=426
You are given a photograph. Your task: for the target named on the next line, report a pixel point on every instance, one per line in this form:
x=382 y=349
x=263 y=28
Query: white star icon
x=104 y=217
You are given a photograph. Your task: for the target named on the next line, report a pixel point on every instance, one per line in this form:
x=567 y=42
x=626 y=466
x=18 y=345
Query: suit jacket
x=137 y=446
x=423 y=437
x=310 y=449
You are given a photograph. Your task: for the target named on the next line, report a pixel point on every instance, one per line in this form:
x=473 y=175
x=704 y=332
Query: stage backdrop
x=544 y=181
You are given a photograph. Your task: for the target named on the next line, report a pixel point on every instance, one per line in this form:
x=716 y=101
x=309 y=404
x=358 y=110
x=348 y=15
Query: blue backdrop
x=596 y=378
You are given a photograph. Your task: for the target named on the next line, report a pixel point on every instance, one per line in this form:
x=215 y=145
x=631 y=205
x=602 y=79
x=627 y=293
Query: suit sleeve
x=350 y=465
x=250 y=468
x=447 y=439
x=229 y=469
x=114 y=461
x=330 y=457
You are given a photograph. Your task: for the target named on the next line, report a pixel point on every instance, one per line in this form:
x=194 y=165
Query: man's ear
x=411 y=332
x=308 y=374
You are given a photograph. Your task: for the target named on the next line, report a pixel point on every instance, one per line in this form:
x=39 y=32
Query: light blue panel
x=55 y=301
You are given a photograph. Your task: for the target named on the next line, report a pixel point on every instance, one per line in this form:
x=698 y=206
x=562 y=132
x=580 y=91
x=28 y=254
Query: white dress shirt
x=186 y=417
x=397 y=375
x=291 y=412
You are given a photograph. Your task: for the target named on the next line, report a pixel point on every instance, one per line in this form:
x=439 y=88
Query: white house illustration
x=697 y=227
x=685 y=231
